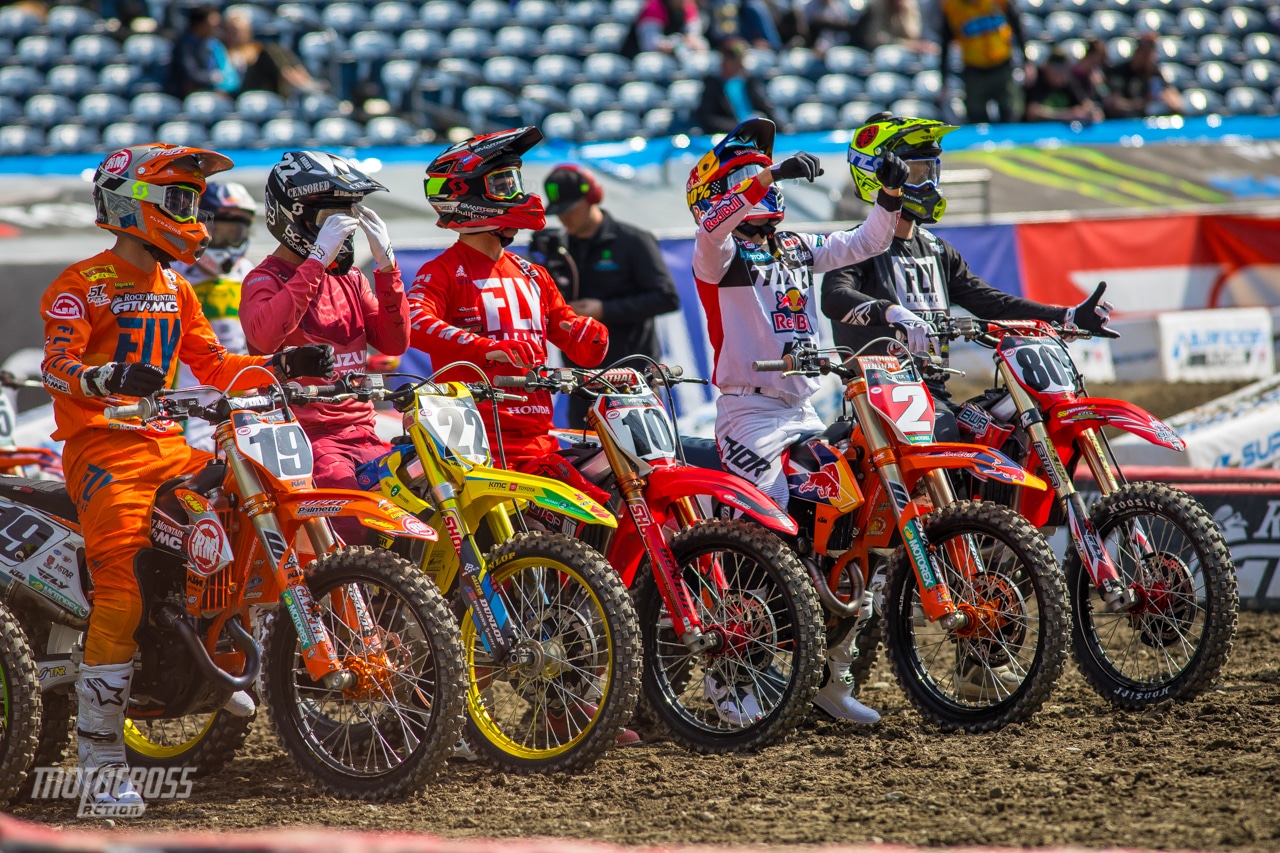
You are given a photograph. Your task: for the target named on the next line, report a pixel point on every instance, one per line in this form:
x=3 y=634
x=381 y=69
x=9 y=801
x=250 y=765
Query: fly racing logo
x=511 y=304
x=918 y=282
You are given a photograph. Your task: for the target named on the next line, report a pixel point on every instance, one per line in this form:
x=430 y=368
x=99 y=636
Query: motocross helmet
x=918 y=142
x=744 y=153
x=476 y=186
x=152 y=192
x=232 y=210
x=307 y=187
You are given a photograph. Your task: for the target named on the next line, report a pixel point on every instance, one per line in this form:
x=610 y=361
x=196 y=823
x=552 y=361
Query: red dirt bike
x=36 y=462
x=731 y=626
x=1164 y=617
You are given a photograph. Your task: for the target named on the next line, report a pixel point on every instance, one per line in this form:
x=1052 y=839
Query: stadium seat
x=761 y=63
x=483 y=102
x=1217 y=76
x=896 y=58
x=800 y=61
x=556 y=126
x=838 y=89
x=388 y=130
x=10 y=110
x=183 y=133
x=101 y=109
x=1075 y=48
x=1176 y=50
x=1195 y=22
x=118 y=79
x=372 y=46
x=16 y=139
x=70 y=21
x=1220 y=47
x=398 y=77
x=93 y=50
x=1156 y=21
x=625 y=10
x=1039 y=8
x=1238 y=21
x=788 y=90
x=585 y=13
x=1177 y=75
x=285 y=133
x=885 y=86
x=125 y=134
x=591 y=98
x=300 y=17
x=1198 y=102
x=1120 y=50
x=567 y=39
x=259 y=17
x=1244 y=100
x=147 y=50
x=206 y=107
x=17 y=21
x=506 y=71
x=393 y=16
x=1032 y=25
x=70 y=80
x=1262 y=46
x=317 y=106
x=658 y=122
x=234 y=133
x=848 y=60
x=915 y=107
x=338 y=130
x=683 y=96
x=696 y=64
x=615 y=124
x=538 y=14
x=557 y=70
x=516 y=41
x=345 y=18
x=441 y=16
x=640 y=96
x=421 y=44
x=317 y=48
x=655 y=67
x=39 y=51
x=537 y=100
x=607 y=36
x=259 y=106
x=154 y=108
x=488 y=14
x=927 y=86
x=48 y=110
x=813 y=116
x=1261 y=74
x=856 y=113
x=607 y=68
x=1108 y=24
x=468 y=42
x=1062 y=25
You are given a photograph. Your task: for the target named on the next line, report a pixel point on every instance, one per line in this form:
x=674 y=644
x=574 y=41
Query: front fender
x=370 y=509
x=486 y=487
x=671 y=482
x=1065 y=421
x=915 y=459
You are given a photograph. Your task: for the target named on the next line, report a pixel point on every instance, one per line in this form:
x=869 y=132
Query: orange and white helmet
x=152 y=192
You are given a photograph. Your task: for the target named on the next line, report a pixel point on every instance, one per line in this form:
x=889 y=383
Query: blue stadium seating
x=388 y=130
x=16 y=22
x=102 y=109
x=286 y=133
x=72 y=81
x=183 y=133
x=338 y=130
x=259 y=107
x=126 y=134
x=47 y=110
x=607 y=68
x=614 y=124
x=556 y=126
x=570 y=40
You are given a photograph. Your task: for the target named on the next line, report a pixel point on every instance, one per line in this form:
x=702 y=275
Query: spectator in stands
x=1056 y=94
x=893 y=22
x=1137 y=84
x=668 y=26
x=200 y=62
x=731 y=96
x=264 y=65
x=621 y=279
x=833 y=22
x=758 y=26
x=1091 y=71
x=985 y=31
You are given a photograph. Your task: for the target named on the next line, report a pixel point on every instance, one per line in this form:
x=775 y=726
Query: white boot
x=240 y=704
x=103 y=692
x=836 y=696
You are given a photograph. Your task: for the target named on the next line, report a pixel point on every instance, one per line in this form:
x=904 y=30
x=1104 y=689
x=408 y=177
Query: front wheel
x=751 y=593
x=1002 y=666
x=19 y=707
x=1175 y=641
x=395 y=726
x=570 y=684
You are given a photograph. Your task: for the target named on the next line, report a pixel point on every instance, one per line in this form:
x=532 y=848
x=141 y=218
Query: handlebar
x=776 y=365
x=511 y=381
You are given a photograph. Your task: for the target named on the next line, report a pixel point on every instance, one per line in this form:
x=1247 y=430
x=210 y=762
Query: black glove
x=306 y=360
x=801 y=165
x=129 y=380
x=892 y=172
x=1093 y=314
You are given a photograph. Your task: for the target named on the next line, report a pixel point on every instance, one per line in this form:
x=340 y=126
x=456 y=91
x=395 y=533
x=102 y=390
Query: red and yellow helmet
x=744 y=153
x=152 y=192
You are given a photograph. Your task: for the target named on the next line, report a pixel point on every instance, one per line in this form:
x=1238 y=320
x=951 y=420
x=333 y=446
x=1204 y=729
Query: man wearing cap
x=1056 y=94
x=621 y=279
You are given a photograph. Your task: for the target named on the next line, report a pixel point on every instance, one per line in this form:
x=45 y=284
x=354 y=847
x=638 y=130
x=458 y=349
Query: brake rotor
x=1167 y=602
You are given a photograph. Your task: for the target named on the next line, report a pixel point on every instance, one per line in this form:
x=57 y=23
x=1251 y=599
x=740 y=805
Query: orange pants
x=113 y=476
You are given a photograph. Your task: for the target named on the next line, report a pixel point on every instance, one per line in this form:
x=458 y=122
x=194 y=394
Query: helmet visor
x=227 y=233
x=922 y=172
x=504 y=184
x=181 y=204
x=324 y=213
x=737 y=176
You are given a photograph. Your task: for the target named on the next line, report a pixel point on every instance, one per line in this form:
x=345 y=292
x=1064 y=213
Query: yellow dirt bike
x=551 y=640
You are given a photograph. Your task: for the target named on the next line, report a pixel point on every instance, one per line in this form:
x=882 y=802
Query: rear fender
x=1066 y=421
x=487 y=487
x=370 y=509
x=984 y=462
x=672 y=482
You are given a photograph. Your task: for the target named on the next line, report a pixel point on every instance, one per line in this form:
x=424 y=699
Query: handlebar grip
x=776 y=365
x=511 y=381
x=511 y=398
x=125 y=413
x=675 y=370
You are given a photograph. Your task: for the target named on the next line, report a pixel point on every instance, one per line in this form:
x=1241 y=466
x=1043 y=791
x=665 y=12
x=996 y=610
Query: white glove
x=384 y=257
x=333 y=234
x=917 y=328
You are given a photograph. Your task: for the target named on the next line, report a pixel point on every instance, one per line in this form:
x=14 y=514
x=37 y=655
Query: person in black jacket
x=620 y=277
x=732 y=96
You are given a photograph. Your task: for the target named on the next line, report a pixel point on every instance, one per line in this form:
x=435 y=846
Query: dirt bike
x=38 y=462
x=1164 y=617
x=973 y=606
x=361 y=667
x=20 y=707
x=732 y=628
x=549 y=635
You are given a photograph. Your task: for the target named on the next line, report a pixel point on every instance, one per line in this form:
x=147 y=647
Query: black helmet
x=303 y=189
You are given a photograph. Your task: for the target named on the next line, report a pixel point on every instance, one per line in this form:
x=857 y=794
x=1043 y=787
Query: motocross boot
x=836 y=696
x=103 y=692
x=240 y=704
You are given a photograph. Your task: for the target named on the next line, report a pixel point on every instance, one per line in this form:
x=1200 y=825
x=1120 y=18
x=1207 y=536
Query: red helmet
x=476 y=185
x=745 y=152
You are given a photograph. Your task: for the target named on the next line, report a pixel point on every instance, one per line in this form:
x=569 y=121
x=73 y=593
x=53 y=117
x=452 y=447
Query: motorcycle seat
x=45 y=495
x=701 y=453
x=802 y=456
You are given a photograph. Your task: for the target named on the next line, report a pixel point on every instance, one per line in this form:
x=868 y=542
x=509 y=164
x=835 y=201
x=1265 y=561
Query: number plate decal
x=903 y=400
x=638 y=424
x=455 y=425
x=1041 y=365
x=282 y=448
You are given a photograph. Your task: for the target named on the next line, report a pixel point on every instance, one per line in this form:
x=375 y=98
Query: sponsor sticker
x=66 y=306
x=105 y=271
x=118 y=163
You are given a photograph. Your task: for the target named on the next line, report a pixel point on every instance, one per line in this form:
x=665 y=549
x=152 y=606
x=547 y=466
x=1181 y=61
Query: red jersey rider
x=478 y=302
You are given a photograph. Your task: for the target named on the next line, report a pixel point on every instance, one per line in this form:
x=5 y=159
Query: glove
x=131 y=380
x=519 y=353
x=333 y=234
x=801 y=165
x=379 y=240
x=306 y=360
x=585 y=330
x=917 y=329
x=1093 y=314
x=892 y=172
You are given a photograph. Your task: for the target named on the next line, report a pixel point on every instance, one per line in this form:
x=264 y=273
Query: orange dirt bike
x=361 y=665
x=968 y=595
x=1153 y=587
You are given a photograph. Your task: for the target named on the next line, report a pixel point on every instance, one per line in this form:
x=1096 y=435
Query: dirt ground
x=1205 y=775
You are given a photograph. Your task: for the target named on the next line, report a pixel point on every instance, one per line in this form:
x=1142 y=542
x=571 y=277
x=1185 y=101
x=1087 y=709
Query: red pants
x=337 y=458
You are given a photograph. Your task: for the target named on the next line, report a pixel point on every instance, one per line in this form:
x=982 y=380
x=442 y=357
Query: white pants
x=752 y=431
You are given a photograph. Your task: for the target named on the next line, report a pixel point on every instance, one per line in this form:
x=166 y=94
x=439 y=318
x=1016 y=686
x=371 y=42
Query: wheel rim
x=987 y=663
x=546 y=707
x=747 y=679
x=4 y=703
x=1159 y=639
x=372 y=727
x=168 y=738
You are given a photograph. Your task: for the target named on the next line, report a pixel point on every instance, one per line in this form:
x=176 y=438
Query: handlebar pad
x=511 y=381
x=770 y=366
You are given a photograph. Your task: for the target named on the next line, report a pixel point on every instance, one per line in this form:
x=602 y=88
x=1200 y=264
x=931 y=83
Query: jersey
x=106 y=310
x=982 y=29
x=286 y=305
x=220 y=301
x=463 y=301
x=759 y=303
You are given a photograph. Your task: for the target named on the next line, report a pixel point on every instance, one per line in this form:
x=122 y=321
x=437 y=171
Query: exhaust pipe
x=16 y=594
x=169 y=617
x=834 y=605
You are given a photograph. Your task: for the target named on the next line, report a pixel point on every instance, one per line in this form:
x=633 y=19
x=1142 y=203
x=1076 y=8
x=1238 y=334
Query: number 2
x=917 y=401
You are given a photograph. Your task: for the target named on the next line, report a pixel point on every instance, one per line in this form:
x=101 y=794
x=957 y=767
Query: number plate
x=1041 y=365
x=455 y=425
x=638 y=424
x=7 y=419
x=902 y=399
x=279 y=446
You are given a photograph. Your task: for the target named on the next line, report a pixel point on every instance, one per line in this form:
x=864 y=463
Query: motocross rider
x=478 y=302
x=216 y=276
x=116 y=326
x=755 y=284
x=308 y=291
x=915 y=283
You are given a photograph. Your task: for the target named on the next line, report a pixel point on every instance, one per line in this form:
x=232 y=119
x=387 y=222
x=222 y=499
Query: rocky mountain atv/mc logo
x=118 y=163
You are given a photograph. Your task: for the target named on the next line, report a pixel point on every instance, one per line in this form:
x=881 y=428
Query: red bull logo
x=823 y=484
x=790 y=316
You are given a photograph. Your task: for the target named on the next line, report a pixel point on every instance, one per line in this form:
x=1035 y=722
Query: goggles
x=227 y=233
x=922 y=172
x=737 y=176
x=504 y=184
x=323 y=213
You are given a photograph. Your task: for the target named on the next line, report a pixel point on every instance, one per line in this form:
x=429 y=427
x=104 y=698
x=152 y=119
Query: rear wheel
x=203 y=742
x=20 y=707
